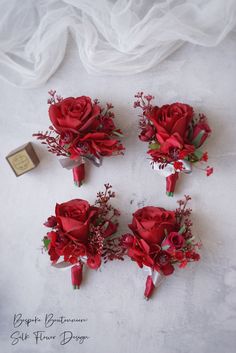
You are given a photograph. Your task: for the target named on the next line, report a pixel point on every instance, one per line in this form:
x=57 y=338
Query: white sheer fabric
x=113 y=37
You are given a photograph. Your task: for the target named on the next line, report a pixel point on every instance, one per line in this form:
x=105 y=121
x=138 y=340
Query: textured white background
x=194 y=310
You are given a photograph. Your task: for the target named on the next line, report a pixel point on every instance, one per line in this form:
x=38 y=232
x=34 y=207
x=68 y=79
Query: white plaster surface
x=194 y=310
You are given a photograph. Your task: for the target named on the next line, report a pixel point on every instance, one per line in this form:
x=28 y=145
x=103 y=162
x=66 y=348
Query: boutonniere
x=83 y=235
x=160 y=241
x=81 y=131
x=175 y=136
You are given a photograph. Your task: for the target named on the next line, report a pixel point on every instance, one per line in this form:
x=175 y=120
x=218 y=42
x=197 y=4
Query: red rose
x=201 y=132
x=151 y=223
x=175 y=241
x=109 y=229
x=171 y=118
x=128 y=240
x=51 y=222
x=74 y=218
x=172 y=123
x=147 y=133
x=74 y=114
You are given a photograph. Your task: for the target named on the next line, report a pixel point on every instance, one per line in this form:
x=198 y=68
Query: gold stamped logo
x=21 y=162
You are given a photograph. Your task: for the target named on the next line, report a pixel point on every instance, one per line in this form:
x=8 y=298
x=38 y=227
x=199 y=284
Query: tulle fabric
x=113 y=37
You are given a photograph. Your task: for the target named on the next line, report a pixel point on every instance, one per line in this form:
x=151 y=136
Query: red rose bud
x=51 y=222
x=175 y=241
x=128 y=240
x=200 y=133
x=76 y=275
x=149 y=288
x=110 y=228
x=94 y=262
x=79 y=174
x=170 y=183
x=147 y=133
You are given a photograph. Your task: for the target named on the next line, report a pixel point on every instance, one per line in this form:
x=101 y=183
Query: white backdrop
x=120 y=37
x=194 y=310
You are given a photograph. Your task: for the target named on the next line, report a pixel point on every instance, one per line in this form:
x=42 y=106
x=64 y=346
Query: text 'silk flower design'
x=81 y=130
x=83 y=234
x=175 y=136
x=160 y=240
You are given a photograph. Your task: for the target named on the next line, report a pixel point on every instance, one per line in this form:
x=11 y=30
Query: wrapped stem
x=149 y=287
x=79 y=174
x=153 y=281
x=76 y=275
x=170 y=183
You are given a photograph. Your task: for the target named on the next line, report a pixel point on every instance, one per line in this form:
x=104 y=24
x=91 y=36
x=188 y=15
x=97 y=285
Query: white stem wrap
x=156 y=276
x=63 y=265
x=169 y=168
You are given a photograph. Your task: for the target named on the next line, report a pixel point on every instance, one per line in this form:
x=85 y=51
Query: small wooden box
x=23 y=159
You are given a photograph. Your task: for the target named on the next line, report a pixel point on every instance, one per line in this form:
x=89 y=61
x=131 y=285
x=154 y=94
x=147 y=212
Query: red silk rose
x=74 y=114
x=109 y=228
x=74 y=218
x=151 y=223
x=170 y=119
x=174 y=241
x=172 y=128
x=201 y=132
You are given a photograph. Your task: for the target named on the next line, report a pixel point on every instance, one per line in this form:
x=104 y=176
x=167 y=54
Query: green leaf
x=198 y=154
x=154 y=146
x=198 y=138
x=182 y=229
x=189 y=241
x=117 y=133
x=166 y=247
x=46 y=242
